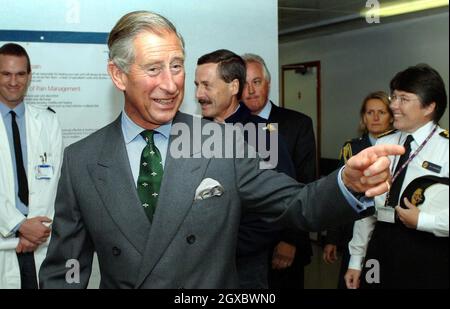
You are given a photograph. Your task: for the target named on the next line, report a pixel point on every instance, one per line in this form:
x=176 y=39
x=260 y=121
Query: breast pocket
x=42 y=177
x=213 y=203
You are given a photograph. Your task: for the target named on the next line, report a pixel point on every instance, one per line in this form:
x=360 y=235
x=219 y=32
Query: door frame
x=303 y=65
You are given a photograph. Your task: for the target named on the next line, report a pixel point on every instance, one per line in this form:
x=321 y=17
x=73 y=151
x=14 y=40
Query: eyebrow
x=150 y=63
x=8 y=72
x=177 y=59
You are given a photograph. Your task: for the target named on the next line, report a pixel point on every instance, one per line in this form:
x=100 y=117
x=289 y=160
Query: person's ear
x=234 y=86
x=429 y=110
x=29 y=78
x=118 y=77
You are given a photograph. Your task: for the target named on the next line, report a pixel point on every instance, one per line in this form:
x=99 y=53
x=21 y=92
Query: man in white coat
x=30 y=161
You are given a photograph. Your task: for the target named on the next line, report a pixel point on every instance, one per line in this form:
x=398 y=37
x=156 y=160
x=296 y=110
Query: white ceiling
x=300 y=18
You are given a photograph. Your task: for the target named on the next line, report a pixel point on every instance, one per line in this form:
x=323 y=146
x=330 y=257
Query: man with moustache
x=220 y=80
x=157 y=221
x=293 y=251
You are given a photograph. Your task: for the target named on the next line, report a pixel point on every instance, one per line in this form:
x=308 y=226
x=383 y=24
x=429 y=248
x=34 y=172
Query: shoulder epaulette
x=51 y=109
x=387 y=133
x=346 y=151
x=444 y=134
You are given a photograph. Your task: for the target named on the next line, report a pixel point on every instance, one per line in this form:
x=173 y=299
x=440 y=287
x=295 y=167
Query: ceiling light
x=391 y=9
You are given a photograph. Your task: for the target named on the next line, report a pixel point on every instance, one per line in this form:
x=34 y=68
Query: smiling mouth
x=15 y=89
x=164 y=101
x=204 y=102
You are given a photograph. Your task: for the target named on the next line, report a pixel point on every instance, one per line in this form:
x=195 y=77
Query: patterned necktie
x=20 y=169
x=394 y=193
x=150 y=175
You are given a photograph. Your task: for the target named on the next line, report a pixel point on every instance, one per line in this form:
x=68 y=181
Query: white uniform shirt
x=434 y=221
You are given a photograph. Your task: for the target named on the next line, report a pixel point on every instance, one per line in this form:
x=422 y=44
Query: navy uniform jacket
x=256 y=235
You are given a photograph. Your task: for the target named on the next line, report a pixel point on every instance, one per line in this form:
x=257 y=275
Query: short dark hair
x=426 y=83
x=231 y=66
x=12 y=49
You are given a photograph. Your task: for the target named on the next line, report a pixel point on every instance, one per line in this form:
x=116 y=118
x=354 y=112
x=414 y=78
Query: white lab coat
x=43 y=136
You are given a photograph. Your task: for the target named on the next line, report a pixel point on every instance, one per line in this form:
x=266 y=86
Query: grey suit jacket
x=190 y=244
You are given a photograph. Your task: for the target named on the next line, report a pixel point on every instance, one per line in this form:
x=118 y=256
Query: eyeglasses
x=402 y=99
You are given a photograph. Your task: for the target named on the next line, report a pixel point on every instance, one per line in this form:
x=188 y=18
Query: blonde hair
x=379 y=95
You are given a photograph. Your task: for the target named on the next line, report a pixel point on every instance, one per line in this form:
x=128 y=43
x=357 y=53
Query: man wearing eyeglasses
x=406 y=245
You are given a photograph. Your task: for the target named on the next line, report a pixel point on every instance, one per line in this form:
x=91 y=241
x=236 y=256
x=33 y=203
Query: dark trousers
x=27 y=270
x=288 y=278
x=252 y=271
x=343 y=269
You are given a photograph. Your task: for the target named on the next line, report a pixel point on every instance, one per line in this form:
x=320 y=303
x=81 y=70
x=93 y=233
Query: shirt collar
x=19 y=110
x=131 y=130
x=230 y=118
x=420 y=134
x=372 y=139
x=265 y=112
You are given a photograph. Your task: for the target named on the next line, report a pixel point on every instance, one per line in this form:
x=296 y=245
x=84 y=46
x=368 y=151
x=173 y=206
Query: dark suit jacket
x=256 y=235
x=191 y=243
x=298 y=132
x=341 y=236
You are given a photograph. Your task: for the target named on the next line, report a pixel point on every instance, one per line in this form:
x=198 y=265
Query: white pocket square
x=208 y=188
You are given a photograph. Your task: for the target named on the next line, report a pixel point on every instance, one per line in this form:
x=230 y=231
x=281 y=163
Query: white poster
x=75 y=84
x=69 y=76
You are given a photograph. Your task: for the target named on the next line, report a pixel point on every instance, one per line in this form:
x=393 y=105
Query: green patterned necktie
x=150 y=175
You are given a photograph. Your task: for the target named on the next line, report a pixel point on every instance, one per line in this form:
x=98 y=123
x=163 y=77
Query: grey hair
x=121 y=37
x=258 y=59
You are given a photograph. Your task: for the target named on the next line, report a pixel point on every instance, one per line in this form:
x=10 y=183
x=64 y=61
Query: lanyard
x=414 y=154
x=409 y=160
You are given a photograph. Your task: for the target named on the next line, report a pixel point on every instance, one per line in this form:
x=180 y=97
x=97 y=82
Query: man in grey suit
x=173 y=222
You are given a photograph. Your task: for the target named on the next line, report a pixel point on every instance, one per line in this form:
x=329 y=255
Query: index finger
x=366 y=157
x=388 y=150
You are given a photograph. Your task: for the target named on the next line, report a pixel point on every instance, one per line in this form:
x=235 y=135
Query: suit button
x=116 y=251
x=190 y=239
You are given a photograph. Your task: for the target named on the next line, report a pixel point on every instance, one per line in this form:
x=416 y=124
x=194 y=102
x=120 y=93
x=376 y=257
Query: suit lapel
x=114 y=181
x=274 y=115
x=181 y=178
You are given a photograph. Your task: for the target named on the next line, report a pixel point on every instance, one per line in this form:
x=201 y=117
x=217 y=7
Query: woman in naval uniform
x=375 y=119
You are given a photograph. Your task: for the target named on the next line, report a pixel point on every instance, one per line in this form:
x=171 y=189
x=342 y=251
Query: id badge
x=44 y=171
x=386 y=214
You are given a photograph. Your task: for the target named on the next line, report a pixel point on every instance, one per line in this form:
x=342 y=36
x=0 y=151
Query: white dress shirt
x=435 y=221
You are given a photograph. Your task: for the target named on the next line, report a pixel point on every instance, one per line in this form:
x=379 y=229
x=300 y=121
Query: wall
x=357 y=62
x=238 y=25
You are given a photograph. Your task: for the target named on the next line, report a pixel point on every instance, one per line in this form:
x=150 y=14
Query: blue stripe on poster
x=54 y=36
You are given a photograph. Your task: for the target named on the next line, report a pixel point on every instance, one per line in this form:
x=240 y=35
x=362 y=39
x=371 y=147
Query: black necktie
x=21 y=175
x=394 y=193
